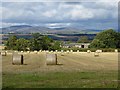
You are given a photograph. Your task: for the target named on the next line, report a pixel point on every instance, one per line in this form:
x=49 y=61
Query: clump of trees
x=38 y=42
x=106 y=39
x=83 y=39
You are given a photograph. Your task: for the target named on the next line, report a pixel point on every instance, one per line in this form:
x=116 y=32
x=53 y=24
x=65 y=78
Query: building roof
x=73 y=44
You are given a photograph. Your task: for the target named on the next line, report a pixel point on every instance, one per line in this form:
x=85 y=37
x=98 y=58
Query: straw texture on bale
x=96 y=54
x=17 y=59
x=51 y=59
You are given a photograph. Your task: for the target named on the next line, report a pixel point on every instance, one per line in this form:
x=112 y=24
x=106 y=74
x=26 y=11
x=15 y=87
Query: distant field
x=64 y=37
x=81 y=70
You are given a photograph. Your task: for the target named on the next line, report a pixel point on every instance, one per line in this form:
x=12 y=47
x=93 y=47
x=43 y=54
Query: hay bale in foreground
x=96 y=54
x=51 y=59
x=17 y=59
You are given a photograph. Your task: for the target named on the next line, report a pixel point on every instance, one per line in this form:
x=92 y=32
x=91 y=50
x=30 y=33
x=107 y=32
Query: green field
x=74 y=70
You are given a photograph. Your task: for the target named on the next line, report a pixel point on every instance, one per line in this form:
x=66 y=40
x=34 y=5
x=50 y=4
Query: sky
x=83 y=14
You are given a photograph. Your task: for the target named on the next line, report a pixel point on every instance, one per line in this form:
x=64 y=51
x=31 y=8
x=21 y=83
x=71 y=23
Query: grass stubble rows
x=74 y=70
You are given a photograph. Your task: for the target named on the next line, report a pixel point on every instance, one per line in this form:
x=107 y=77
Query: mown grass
x=61 y=80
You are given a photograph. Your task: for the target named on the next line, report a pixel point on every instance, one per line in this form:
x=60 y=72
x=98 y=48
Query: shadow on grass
x=19 y=64
x=54 y=64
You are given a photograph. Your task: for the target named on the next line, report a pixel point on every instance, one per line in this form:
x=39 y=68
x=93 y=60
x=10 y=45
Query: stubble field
x=74 y=70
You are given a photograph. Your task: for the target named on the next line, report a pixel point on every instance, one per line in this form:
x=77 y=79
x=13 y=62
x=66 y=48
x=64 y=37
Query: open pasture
x=81 y=70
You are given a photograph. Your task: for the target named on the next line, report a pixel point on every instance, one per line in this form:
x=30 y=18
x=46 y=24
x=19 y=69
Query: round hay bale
x=116 y=50
x=51 y=51
x=47 y=51
x=51 y=59
x=96 y=54
x=68 y=51
x=71 y=51
x=35 y=52
x=3 y=53
x=17 y=59
x=99 y=51
x=88 y=51
x=78 y=51
x=62 y=51
x=40 y=50
x=21 y=51
x=15 y=51
x=28 y=51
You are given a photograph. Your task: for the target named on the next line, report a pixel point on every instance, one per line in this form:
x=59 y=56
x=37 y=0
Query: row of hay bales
x=4 y=53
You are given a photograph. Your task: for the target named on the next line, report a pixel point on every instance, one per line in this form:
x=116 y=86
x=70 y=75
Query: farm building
x=79 y=45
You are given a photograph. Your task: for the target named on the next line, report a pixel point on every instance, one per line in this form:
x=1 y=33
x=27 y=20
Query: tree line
x=38 y=42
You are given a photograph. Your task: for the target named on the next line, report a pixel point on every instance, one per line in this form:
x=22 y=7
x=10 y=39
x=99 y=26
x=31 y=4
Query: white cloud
x=59 y=0
x=51 y=13
x=80 y=12
x=57 y=25
x=23 y=12
x=3 y=24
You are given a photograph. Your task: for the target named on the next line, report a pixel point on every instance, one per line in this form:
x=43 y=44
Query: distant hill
x=43 y=29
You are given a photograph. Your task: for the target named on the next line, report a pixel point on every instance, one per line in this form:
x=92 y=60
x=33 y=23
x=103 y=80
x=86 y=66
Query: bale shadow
x=19 y=64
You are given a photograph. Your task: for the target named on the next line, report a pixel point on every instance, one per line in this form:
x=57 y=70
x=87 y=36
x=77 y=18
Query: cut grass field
x=74 y=70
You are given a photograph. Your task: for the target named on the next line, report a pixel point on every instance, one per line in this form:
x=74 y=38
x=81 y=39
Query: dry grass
x=66 y=62
x=102 y=66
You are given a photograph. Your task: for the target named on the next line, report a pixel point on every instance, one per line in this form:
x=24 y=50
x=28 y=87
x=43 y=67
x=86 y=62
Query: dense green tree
x=46 y=42
x=55 y=46
x=105 y=39
x=35 y=42
x=118 y=40
x=83 y=39
x=22 y=44
x=11 y=43
x=39 y=42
